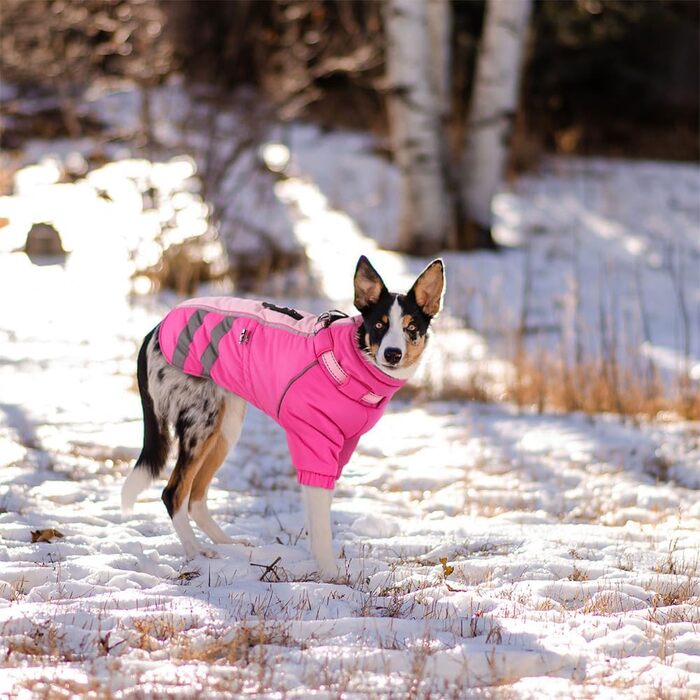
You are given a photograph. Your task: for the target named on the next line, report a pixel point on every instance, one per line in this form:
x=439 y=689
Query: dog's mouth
x=389 y=366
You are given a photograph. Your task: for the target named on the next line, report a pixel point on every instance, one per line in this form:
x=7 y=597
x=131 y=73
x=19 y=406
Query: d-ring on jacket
x=305 y=371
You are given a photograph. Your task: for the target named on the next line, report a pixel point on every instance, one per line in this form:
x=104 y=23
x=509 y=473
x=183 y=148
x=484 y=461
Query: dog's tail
x=156 y=438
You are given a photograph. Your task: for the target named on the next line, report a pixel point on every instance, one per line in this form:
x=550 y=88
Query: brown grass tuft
x=545 y=382
x=598 y=386
x=241 y=643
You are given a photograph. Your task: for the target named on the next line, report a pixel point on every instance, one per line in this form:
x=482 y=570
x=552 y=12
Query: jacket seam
x=245 y=362
x=289 y=385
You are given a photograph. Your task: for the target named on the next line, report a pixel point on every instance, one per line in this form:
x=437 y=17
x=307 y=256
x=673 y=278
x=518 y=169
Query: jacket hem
x=319 y=480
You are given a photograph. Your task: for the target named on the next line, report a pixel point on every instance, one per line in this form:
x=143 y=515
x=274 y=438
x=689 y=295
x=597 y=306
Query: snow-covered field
x=488 y=552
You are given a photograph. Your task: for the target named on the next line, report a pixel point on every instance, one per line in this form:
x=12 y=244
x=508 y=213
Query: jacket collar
x=342 y=360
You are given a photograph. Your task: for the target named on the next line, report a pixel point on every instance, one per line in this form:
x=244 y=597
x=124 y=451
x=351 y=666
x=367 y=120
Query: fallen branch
x=269 y=569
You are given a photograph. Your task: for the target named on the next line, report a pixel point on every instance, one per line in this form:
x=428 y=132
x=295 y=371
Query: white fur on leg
x=200 y=514
x=190 y=543
x=139 y=480
x=233 y=419
x=317 y=502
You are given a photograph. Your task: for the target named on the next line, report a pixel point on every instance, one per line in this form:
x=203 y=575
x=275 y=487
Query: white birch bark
x=416 y=108
x=493 y=104
x=439 y=21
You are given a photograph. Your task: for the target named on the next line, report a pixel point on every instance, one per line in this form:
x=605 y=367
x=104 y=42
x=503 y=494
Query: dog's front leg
x=317 y=503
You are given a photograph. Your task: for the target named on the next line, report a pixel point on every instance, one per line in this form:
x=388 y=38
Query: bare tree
x=61 y=46
x=493 y=104
x=415 y=67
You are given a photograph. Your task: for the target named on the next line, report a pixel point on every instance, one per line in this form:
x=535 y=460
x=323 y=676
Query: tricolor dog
x=325 y=379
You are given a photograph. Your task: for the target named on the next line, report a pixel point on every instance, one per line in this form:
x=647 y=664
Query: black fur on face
x=381 y=309
x=375 y=324
x=377 y=320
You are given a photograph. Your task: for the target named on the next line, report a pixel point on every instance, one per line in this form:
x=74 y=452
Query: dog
x=325 y=379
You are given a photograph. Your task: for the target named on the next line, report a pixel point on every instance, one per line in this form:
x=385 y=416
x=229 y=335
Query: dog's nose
x=392 y=356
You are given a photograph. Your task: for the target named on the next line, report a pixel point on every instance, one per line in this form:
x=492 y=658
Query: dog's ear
x=368 y=284
x=429 y=288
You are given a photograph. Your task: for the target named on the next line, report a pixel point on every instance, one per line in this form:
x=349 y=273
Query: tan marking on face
x=372 y=349
x=414 y=349
x=385 y=319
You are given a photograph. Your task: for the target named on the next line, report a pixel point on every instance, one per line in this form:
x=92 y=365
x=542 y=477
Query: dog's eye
x=379 y=325
x=411 y=327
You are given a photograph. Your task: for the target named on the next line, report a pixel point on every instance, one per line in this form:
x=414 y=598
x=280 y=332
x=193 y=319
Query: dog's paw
x=331 y=573
x=222 y=539
x=241 y=541
x=201 y=552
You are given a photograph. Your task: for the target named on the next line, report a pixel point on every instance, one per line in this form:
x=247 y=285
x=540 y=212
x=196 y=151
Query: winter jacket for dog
x=305 y=371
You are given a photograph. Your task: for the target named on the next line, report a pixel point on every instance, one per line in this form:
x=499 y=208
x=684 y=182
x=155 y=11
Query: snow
x=619 y=239
x=570 y=543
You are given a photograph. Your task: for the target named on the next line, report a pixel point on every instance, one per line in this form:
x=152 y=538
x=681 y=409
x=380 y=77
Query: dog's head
x=395 y=326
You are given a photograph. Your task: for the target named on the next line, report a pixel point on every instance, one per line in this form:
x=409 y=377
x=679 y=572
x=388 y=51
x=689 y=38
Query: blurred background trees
x=62 y=47
x=613 y=77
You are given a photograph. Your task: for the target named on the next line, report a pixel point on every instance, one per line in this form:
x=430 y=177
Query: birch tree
x=490 y=116
x=417 y=72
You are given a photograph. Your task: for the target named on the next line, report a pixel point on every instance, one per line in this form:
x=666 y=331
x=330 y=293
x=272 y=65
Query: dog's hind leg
x=227 y=437
x=156 y=436
x=196 y=442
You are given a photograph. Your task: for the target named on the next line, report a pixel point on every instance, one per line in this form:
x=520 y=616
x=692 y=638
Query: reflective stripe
x=184 y=340
x=372 y=398
x=333 y=367
x=348 y=385
x=211 y=354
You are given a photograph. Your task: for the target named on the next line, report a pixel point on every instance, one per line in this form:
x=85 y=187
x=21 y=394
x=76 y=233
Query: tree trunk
x=439 y=25
x=147 y=119
x=493 y=105
x=417 y=84
x=68 y=111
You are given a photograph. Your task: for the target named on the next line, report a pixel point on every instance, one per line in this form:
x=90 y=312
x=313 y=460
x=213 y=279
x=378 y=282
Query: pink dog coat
x=305 y=371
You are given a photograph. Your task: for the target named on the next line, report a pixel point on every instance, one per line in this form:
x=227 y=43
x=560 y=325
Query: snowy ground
x=570 y=545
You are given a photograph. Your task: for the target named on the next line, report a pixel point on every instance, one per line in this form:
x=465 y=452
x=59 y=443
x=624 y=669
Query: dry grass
x=245 y=642
x=65 y=689
x=598 y=385
x=545 y=382
x=673 y=563
x=46 y=643
x=678 y=593
x=601 y=605
x=578 y=574
x=184 y=266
